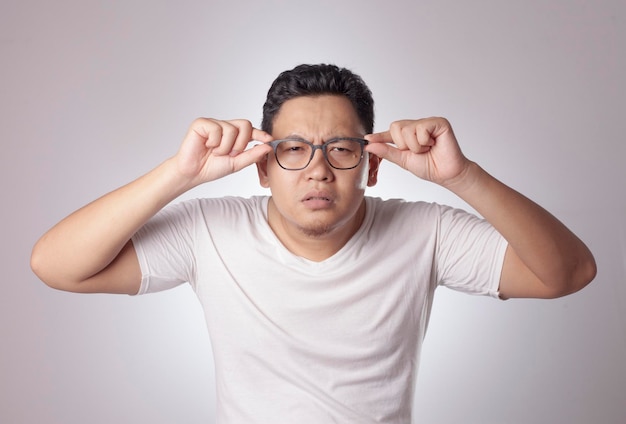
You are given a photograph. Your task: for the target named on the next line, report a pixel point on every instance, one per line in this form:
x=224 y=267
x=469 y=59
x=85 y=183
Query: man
x=316 y=297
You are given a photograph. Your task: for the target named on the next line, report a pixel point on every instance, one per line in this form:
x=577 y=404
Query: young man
x=316 y=297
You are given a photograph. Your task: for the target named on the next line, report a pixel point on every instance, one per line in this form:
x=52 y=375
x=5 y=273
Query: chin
x=316 y=230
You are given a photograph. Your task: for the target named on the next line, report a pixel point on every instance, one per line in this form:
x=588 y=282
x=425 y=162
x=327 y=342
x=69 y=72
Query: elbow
x=587 y=271
x=38 y=265
x=579 y=276
x=42 y=266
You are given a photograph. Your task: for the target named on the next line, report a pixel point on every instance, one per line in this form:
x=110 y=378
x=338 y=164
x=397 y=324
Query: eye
x=292 y=147
x=340 y=147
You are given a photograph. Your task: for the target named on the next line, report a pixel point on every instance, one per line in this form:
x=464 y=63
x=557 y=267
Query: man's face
x=317 y=200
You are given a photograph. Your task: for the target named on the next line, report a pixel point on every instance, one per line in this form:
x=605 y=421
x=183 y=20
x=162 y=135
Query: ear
x=374 y=163
x=261 y=167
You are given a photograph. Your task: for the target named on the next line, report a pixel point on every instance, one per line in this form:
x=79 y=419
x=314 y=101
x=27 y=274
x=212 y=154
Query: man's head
x=316 y=80
x=317 y=104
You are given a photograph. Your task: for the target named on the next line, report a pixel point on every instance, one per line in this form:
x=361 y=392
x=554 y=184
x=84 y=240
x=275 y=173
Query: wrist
x=466 y=181
x=171 y=181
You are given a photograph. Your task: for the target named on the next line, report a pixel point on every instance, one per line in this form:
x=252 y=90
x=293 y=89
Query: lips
x=318 y=199
x=318 y=195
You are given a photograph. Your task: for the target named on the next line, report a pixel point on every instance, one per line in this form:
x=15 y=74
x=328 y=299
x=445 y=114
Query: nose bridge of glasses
x=322 y=149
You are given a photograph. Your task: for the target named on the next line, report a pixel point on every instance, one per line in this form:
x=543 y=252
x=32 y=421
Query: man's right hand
x=91 y=249
x=213 y=149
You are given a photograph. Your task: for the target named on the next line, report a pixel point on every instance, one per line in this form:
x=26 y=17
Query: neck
x=316 y=244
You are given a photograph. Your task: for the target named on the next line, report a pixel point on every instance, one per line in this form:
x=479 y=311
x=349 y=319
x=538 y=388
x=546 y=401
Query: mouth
x=324 y=198
x=317 y=200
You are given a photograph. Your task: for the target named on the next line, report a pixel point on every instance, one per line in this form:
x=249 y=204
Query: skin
x=90 y=250
x=544 y=259
x=313 y=211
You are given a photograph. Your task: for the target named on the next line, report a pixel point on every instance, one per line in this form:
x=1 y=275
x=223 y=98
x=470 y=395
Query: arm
x=91 y=251
x=544 y=258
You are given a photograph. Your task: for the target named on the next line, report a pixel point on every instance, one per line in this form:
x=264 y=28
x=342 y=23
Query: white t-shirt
x=337 y=341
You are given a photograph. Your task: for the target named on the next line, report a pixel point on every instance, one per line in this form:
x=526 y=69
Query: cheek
x=280 y=182
x=273 y=171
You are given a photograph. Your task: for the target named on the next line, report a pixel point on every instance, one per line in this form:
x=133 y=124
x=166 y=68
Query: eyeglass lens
x=341 y=153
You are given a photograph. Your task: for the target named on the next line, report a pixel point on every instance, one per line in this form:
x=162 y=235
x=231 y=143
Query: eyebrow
x=300 y=138
x=294 y=137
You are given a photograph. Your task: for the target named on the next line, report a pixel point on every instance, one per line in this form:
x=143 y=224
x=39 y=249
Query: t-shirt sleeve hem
x=494 y=290
x=143 y=266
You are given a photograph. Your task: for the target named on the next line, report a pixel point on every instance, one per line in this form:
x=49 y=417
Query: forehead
x=316 y=117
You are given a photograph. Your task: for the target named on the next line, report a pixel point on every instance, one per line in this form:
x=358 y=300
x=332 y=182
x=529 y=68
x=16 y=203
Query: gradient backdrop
x=95 y=93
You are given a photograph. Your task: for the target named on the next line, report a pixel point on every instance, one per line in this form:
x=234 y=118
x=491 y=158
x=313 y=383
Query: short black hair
x=316 y=80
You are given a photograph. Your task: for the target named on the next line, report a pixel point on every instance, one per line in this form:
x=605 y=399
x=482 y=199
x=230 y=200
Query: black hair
x=316 y=80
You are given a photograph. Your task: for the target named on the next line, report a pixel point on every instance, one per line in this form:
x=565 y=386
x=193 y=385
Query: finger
x=261 y=135
x=401 y=137
x=387 y=152
x=251 y=139
x=420 y=141
x=243 y=137
x=210 y=131
x=229 y=134
x=409 y=135
x=424 y=134
x=207 y=130
x=432 y=129
x=250 y=156
x=381 y=137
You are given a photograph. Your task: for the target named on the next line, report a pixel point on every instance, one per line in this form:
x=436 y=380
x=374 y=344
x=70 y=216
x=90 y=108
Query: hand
x=425 y=147
x=213 y=149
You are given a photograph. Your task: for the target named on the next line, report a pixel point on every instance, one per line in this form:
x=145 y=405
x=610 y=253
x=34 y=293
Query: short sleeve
x=165 y=248
x=470 y=253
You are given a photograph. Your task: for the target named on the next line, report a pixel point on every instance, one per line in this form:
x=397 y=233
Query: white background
x=95 y=93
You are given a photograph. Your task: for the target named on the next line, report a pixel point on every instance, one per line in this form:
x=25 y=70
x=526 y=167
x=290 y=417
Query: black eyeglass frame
x=323 y=147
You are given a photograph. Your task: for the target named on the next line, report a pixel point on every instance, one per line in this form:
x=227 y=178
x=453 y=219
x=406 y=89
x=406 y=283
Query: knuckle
x=242 y=124
x=201 y=122
x=396 y=125
x=228 y=129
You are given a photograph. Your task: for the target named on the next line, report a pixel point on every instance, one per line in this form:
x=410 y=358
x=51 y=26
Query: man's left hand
x=426 y=147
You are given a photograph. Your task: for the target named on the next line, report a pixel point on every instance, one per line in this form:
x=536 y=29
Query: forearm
x=85 y=242
x=546 y=247
x=544 y=258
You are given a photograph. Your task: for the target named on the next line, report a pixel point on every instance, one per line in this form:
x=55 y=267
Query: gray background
x=95 y=93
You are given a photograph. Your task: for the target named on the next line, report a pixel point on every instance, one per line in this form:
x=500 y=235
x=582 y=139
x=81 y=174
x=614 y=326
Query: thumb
x=250 y=156
x=381 y=137
x=386 y=151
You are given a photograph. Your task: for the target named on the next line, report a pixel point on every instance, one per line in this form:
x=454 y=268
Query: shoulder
x=390 y=208
x=402 y=219
x=400 y=215
x=229 y=205
x=203 y=211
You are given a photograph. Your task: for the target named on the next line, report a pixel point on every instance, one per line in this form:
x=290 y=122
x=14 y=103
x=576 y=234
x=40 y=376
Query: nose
x=319 y=169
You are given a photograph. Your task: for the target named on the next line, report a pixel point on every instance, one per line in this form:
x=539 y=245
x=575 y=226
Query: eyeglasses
x=294 y=154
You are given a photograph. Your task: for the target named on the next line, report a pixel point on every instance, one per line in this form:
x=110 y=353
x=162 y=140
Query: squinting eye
x=343 y=147
x=292 y=147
